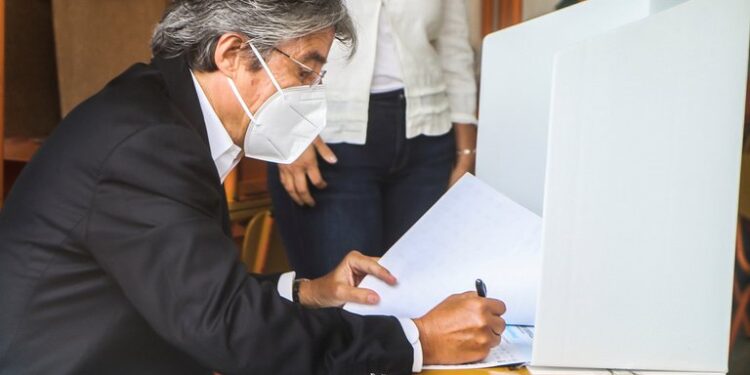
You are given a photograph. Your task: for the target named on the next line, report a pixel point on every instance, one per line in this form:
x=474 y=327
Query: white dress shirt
x=226 y=156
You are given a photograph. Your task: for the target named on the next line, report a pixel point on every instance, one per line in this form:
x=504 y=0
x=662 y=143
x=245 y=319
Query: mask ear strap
x=266 y=68
x=239 y=99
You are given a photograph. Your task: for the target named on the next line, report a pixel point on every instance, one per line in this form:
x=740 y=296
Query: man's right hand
x=294 y=176
x=461 y=329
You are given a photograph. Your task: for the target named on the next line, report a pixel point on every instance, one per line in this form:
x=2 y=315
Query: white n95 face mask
x=286 y=124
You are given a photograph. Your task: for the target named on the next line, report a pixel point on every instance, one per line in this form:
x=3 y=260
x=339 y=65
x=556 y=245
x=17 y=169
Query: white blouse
x=435 y=61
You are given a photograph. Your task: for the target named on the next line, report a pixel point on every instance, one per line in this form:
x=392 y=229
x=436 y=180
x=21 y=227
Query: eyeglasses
x=318 y=76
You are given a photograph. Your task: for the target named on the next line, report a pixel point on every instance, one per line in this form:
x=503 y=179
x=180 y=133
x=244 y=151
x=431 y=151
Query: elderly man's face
x=311 y=51
x=254 y=85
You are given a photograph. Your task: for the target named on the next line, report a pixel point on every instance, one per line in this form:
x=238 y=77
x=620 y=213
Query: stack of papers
x=472 y=232
x=514 y=349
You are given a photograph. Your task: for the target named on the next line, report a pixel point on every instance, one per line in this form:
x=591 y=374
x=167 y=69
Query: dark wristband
x=295 y=289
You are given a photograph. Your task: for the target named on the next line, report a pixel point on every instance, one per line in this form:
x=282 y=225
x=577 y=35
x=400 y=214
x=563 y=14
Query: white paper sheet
x=514 y=349
x=472 y=232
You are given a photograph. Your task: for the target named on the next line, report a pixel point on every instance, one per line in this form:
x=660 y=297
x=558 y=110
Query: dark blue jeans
x=375 y=193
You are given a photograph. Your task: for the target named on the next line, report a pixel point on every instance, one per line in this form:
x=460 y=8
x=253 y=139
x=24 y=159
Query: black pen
x=481 y=288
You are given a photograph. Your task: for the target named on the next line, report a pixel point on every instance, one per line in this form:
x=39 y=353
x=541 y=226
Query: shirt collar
x=225 y=153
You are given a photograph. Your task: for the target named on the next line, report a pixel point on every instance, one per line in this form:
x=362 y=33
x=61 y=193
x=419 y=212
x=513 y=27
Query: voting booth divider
x=620 y=122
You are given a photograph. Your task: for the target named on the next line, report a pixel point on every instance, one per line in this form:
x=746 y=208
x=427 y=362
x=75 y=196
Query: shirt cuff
x=286 y=282
x=412 y=334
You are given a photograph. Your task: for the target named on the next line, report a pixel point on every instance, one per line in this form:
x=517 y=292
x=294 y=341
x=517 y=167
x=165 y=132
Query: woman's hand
x=464 y=164
x=294 y=176
x=340 y=286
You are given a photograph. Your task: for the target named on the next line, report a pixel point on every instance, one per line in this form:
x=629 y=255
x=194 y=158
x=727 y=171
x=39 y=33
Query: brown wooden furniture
x=2 y=101
x=741 y=293
x=256 y=244
x=499 y=14
x=29 y=74
x=260 y=246
x=741 y=290
x=12 y=149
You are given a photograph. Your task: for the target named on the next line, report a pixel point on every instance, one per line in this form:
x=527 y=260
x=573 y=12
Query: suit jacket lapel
x=181 y=90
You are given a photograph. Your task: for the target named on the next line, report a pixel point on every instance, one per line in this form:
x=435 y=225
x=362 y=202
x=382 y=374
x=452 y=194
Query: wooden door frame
x=499 y=14
x=2 y=102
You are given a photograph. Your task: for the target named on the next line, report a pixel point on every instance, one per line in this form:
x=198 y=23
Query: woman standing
x=401 y=129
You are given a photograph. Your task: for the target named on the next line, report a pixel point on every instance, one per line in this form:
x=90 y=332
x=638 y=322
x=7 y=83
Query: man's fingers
x=495 y=306
x=371 y=266
x=288 y=181
x=300 y=185
x=325 y=152
x=497 y=325
x=495 y=339
x=316 y=178
x=359 y=295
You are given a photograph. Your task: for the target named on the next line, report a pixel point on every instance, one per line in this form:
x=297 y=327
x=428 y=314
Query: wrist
x=425 y=341
x=466 y=162
x=466 y=151
x=303 y=292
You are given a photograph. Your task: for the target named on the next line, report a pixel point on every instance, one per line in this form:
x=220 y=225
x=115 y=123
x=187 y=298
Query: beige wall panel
x=97 y=40
x=536 y=8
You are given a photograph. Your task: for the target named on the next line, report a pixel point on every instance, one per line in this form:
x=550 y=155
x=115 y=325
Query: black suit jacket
x=116 y=258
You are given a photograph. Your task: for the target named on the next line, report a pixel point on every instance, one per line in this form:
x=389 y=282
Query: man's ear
x=228 y=55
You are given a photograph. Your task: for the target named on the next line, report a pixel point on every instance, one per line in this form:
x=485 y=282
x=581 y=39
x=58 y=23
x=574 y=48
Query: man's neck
x=214 y=85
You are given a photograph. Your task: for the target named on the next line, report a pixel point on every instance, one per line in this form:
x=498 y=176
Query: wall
x=536 y=8
x=97 y=40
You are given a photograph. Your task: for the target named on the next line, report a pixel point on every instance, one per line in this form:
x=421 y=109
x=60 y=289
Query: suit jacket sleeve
x=154 y=226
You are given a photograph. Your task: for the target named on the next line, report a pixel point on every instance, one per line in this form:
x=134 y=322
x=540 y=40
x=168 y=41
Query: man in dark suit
x=115 y=251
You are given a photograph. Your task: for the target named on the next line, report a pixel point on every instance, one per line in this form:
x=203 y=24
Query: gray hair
x=192 y=28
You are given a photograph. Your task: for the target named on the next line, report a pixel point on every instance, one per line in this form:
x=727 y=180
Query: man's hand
x=462 y=329
x=340 y=286
x=294 y=176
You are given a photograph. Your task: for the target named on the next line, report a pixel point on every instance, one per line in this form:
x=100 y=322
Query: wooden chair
x=256 y=239
x=256 y=244
x=741 y=290
x=741 y=316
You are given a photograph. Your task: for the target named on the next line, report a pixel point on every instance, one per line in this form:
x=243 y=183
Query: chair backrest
x=257 y=240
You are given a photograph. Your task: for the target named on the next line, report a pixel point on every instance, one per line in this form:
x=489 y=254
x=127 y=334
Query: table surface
x=484 y=371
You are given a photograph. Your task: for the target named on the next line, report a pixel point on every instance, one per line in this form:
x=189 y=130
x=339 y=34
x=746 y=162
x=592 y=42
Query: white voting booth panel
x=642 y=171
x=637 y=180
x=517 y=69
x=641 y=193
